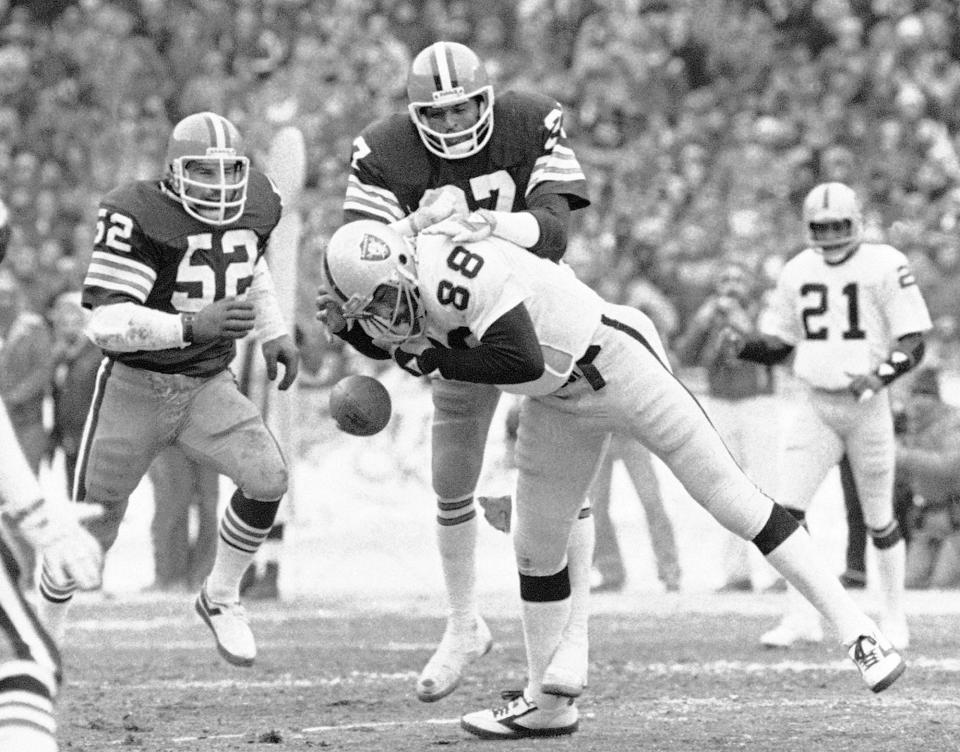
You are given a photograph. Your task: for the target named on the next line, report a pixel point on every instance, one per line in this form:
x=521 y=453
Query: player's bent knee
x=780 y=525
x=553 y=587
x=267 y=485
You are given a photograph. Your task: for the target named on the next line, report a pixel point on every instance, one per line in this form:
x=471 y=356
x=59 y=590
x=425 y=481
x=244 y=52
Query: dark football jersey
x=149 y=251
x=527 y=154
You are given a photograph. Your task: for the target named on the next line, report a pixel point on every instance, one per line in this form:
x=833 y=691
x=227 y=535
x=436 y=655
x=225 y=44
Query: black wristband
x=187 y=320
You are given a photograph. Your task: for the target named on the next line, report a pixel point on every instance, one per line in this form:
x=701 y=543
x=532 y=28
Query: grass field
x=671 y=673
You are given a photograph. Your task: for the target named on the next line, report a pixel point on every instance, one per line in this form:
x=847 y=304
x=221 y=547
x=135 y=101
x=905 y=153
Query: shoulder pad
x=518 y=126
x=397 y=155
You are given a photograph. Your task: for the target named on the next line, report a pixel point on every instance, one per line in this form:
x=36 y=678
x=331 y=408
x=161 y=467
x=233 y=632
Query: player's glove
x=864 y=385
x=475 y=226
x=232 y=318
x=497 y=510
x=281 y=350
x=417 y=357
x=70 y=552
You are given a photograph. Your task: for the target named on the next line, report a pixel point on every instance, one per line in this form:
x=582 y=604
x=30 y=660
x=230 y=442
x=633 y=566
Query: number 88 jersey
x=148 y=251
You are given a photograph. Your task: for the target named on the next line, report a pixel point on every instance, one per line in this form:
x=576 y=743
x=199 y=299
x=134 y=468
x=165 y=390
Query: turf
x=668 y=673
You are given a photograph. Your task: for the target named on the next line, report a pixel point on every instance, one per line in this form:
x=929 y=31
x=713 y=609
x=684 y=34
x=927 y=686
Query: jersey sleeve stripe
x=371 y=199
x=122 y=275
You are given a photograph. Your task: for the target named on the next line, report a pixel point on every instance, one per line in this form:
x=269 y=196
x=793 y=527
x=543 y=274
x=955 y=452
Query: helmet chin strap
x=840 y=253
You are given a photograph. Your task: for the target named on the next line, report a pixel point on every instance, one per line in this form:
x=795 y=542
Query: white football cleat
x=230 y=627
x=521 y=718
x=566 y=675
x=879 y=663
x=457 y=649
x=791 y=629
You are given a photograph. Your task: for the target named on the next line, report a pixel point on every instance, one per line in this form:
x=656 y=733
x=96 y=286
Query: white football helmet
x=371 y=270
x=833 y=220
x=207 y=169
x=444 y=74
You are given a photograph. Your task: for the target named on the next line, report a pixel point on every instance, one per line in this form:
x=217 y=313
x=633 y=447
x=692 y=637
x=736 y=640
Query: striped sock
x=244 y=526
x=27 y=719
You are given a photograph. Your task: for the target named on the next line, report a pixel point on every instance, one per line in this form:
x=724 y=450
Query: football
x=360 y=405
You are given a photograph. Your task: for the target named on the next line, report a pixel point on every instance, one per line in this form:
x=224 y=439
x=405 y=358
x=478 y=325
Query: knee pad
x=781 y=524
x=554 y=587
x=886 y=537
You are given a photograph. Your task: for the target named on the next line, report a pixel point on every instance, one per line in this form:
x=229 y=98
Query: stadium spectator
x=928 y=459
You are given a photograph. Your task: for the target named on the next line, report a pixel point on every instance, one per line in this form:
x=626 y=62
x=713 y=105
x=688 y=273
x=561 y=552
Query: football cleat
x=457 y=649
x=521 y=718
x=879 y=663
x=230 y=627
x=791 y=629
x=566 y=676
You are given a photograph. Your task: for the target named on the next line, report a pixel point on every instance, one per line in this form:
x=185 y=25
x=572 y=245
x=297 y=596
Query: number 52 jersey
x=148 y=251
x=842 y=319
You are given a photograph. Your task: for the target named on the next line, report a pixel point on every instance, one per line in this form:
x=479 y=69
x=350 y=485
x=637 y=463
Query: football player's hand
x=475 y=226
x=232 y=318
x=436 y=205
x=864 y=385
x=281 y=350
x=70 y=552
x=497 y=510
x=329 y=311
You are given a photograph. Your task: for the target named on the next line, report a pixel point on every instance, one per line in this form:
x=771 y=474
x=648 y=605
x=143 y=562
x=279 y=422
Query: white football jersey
x=843 y=319
x=464 y=289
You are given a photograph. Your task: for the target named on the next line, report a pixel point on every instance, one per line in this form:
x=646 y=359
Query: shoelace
x=868 y=657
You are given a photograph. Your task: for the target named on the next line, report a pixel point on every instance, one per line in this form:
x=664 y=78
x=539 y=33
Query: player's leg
x=808 y=450
x=461 y=422
x=607 y=557
x=639 y=464
x=120 y=440
x=225 y=431
x=855 y=573
x=673 y=425
x=872 y=451
x=29 y=679
x=556 y=462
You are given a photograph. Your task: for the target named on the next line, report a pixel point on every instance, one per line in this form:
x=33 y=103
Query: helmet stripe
x=219 y=133
x=442 y=65
x=826 y=197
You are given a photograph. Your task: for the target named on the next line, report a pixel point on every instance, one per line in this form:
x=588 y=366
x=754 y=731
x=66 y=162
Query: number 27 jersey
x=149 y=251
x=843 y=318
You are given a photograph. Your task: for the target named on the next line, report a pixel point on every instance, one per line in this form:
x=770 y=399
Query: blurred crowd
x=700 y=123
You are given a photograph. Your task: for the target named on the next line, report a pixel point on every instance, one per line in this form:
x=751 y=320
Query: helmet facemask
x=211 y=187
x=458 y=144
